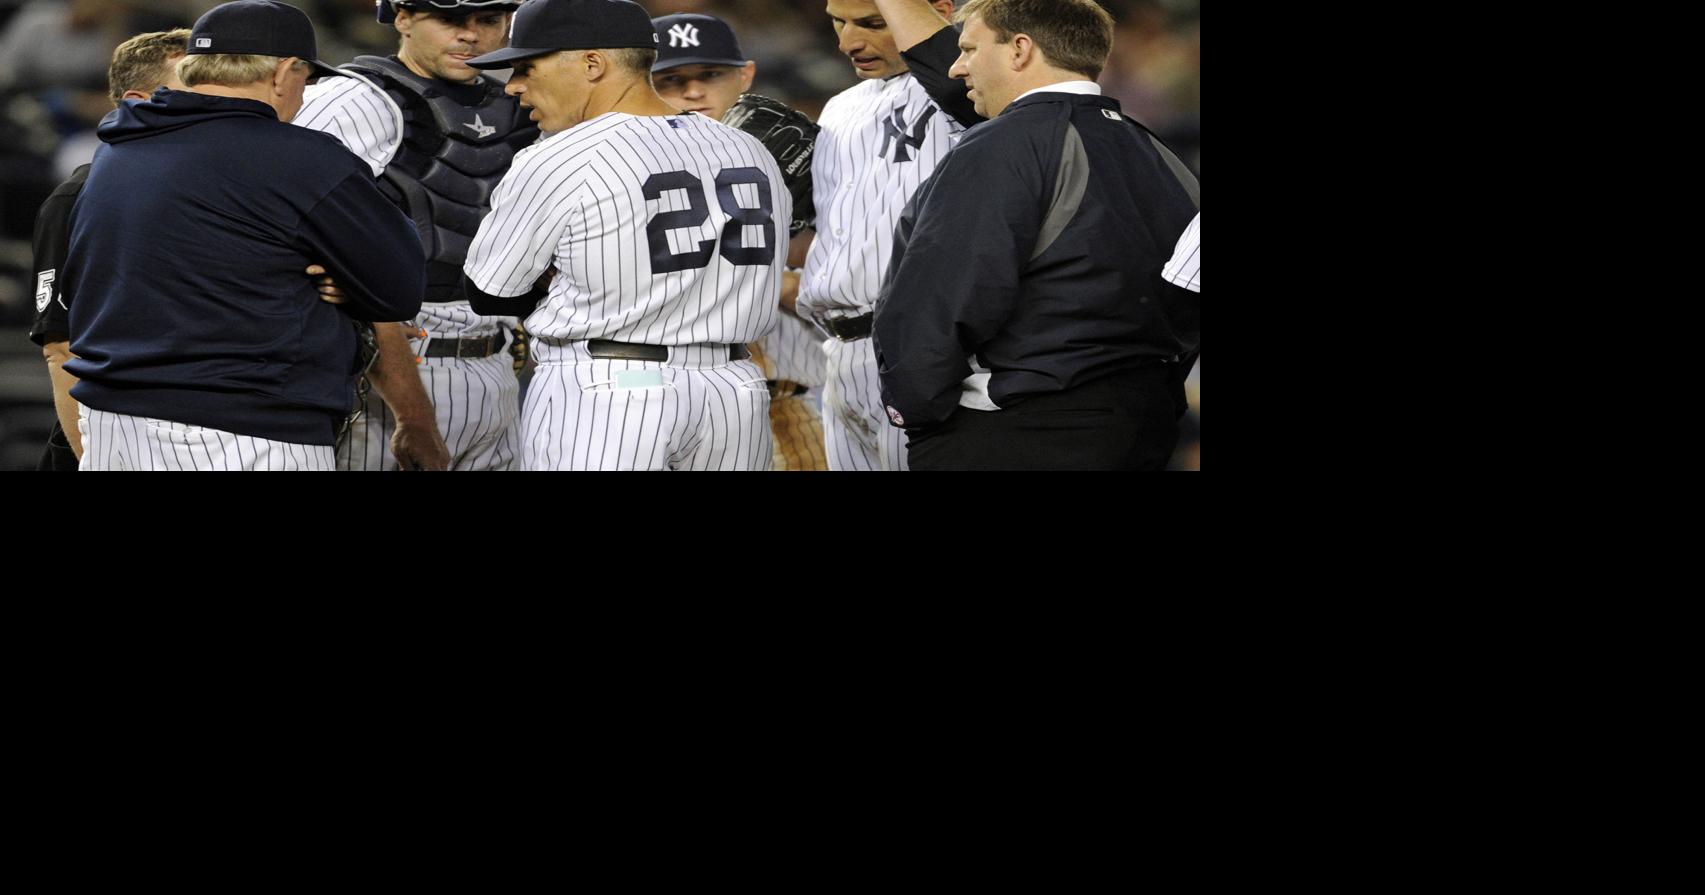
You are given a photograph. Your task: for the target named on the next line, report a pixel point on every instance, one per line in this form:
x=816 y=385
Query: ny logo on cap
x=683 y=35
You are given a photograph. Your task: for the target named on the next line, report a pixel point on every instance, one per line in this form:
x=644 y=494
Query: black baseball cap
x=542 y=27
x=690 y=38
x=258 y=28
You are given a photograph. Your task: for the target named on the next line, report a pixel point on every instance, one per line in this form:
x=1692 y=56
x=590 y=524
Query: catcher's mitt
x=790 y=137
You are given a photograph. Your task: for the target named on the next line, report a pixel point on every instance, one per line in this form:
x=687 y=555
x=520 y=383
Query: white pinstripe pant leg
x=731 y=425
x=856 y=431
x=715 y=418
x=478 y=408
x=368 y=444
x=118 y=442
x=576 y=420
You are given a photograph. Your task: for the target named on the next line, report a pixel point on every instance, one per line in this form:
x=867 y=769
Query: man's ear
x=596 y=64
x=747 y=73
x=1024 y=52
x=945 y=7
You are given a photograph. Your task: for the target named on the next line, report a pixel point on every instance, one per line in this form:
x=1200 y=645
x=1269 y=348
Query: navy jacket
x=1036 y=246
x=186 y=262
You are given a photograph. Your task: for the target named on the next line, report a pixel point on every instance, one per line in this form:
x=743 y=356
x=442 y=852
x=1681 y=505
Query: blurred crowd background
x=53 y=73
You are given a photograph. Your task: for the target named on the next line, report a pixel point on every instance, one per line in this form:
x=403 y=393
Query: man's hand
x=417 y=443
x=329 y=291
x=913 y=21
x=419 y=448
x=790 y=291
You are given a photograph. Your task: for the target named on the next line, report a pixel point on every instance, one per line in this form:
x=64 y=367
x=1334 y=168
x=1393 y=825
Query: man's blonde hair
x=228 y=70
x=1074 y=35
x=140 y=63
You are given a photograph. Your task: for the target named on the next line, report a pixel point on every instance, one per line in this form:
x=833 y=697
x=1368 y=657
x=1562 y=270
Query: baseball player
x=667 y=234
x=139 y=65
x=880 y=139
x=439 y=135
x=700 y=68
x=1185 y=267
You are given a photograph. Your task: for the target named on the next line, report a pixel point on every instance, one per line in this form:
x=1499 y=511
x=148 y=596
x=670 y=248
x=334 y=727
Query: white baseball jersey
x=359 y=114
x=880 y=140
x=663 y=230
x=1185 y=267
x=795 y=351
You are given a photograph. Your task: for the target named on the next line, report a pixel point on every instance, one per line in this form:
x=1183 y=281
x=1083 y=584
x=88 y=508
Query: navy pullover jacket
x=188 y=246
x=1036 y=246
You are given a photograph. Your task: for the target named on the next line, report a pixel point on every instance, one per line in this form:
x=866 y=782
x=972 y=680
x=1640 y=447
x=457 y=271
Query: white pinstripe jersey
x=1185 y=266
x=663 y=231
x=367 y=121
x=880 y=140
x=360 y=115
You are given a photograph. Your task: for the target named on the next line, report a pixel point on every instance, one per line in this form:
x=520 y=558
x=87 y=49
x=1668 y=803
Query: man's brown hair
x=1074 y=35
x=140 y=63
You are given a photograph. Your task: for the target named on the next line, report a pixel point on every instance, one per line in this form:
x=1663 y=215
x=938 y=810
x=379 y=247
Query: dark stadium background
x=50 y=99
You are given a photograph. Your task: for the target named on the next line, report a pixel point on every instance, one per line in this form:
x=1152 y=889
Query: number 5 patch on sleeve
x=44 y=289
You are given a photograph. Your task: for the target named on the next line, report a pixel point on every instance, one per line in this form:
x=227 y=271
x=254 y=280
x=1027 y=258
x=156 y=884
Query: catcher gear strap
x=387 y=9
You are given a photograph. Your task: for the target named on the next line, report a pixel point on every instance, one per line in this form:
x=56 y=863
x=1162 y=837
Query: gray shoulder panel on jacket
x=1179 y=170
x=1069 y=187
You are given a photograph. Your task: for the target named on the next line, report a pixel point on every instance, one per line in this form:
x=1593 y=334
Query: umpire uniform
x=52 y=320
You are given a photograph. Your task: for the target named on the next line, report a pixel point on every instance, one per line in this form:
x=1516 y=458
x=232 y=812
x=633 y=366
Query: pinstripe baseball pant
x=855 y=422
x=116 y=442
x=708 y=413
x=478 y=405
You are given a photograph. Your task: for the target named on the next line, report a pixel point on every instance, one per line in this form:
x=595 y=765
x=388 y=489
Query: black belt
x=468 y=348
x=785 y=388
x=658 y=353
x=847 y=329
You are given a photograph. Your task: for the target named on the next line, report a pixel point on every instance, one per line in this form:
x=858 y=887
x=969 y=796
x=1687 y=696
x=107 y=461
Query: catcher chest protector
x=451 y=158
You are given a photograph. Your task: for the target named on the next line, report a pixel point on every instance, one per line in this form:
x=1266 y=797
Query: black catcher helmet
x=388 y=13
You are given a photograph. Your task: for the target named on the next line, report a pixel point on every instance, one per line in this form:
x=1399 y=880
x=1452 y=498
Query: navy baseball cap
x=387 y=9
x=257 y=28
x=690 y=38
x=542 y=27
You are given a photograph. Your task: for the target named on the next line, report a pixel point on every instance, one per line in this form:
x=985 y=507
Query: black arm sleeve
x=488 y=305
x=929 y=62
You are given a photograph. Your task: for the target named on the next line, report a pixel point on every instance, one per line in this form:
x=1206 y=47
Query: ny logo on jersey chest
x=683 y=36
x=894 y=134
